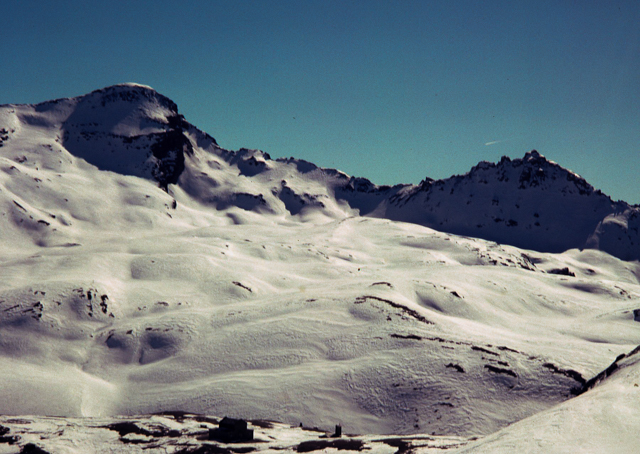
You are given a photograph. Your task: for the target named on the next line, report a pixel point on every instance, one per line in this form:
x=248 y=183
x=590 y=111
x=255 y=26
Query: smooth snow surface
x=145 y=269
x=605 y=419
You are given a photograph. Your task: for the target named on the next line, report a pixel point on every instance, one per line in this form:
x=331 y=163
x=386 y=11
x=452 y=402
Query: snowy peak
x=531 y=171
x=129 y=129
x=132 y=130
x=530 y=202
x=127 y=110
x=536 y=170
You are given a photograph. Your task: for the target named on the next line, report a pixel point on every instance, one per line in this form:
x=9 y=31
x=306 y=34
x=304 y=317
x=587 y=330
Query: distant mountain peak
x=529 y=202
x=533 y=154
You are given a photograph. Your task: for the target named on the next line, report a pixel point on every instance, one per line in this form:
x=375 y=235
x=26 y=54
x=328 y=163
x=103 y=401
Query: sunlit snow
x=144 y=269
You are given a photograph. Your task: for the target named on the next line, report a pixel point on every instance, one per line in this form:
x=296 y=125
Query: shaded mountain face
x=132 y=130
x=531 y=203
x=128 y=129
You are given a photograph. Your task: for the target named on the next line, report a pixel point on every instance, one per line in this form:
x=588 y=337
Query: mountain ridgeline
x=131 y=130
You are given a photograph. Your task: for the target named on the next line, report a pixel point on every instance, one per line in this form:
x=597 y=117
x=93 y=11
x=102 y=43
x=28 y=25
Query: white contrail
x=494 y=142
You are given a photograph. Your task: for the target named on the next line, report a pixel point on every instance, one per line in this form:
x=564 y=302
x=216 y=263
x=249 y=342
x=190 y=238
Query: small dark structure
x=338 y=432
x=231 y=431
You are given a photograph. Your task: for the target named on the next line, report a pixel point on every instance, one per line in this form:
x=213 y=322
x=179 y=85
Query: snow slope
x=603 y=419
x=146 y=269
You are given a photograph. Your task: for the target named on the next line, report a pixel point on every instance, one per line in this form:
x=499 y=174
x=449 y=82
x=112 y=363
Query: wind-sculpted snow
x=146 y=269
x=389 y=328
x=603 y=419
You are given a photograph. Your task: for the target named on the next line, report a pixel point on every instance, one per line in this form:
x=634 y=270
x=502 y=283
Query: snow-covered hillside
x=131 y=130
x=146 y=269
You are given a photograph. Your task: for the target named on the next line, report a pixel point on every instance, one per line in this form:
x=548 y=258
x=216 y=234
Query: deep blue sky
x=394 y=91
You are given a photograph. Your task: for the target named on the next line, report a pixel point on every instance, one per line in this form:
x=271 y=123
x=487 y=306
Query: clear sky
x=394 y=91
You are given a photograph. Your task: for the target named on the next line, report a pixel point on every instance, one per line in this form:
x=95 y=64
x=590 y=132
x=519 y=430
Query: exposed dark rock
x=592 y=382
x=251 y=166
x=130 y=94
x=456 y=367
x=242 y=449
x=246 y=201
x=30 y=448
x=407 y=336
x=242 y=286
x=128 y=427
x=484 y=350
x=207 y=419
x=577 y=376
x=507 y=349
x=499 y=370
x=169 y=150
x=403 y=446
x=411 y=312
x=382 y=283
x=205 y=449
x=563 y=272
x=339 y=444
x=8 y=439
x=294 y=202
x=20 y=206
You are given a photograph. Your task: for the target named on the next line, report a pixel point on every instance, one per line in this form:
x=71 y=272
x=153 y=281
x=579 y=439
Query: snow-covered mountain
x=146 y=269
x=130 y=129
x=531 y=203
